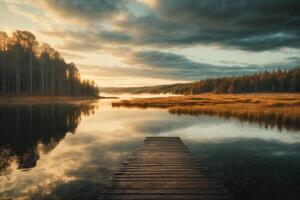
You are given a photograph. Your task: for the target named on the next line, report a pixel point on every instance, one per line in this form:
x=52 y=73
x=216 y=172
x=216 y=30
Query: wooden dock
x=163 y=168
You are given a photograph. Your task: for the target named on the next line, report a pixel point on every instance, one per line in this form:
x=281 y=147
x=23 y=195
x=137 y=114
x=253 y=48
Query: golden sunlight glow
x=151 y=3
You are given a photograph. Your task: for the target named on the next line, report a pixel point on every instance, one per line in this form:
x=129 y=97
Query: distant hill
x=174 y=88
x=275 y=81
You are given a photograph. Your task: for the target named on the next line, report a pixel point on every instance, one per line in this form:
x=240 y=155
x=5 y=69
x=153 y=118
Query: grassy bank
x=280 y=110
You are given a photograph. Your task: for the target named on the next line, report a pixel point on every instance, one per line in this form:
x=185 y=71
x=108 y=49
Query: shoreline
x=23 y=100
x=276 y=109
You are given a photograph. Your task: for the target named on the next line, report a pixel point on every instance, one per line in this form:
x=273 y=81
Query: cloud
x=161 y=126
x=251 y=25
x=127 y=72
x=143 y=33
x=79 y=46
x=154 y=63
x=194 y=70
x=113 y=36
x=294 y=59
x=179 y=66
x=170 y=66
x=89 y=40
x=71 y=55
x=82 y=9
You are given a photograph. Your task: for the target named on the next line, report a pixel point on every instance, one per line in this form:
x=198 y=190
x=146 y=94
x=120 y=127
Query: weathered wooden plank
x=166 y=191
x=164 y=168
x=167 y=175
x=167 y=184
x=166 y=197
x=163 y=171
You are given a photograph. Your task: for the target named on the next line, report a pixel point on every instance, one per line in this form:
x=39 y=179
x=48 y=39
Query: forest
x=275 y=81
x=28 y=68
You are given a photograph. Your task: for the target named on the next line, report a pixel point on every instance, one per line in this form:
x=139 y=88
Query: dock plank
x=164 y=168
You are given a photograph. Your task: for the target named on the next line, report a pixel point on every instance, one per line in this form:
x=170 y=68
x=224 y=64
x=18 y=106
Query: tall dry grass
x=270 y=110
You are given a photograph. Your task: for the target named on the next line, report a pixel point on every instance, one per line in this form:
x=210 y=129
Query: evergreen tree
x=27 y=68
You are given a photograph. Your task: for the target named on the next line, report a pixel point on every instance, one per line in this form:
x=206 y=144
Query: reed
x=269 y=110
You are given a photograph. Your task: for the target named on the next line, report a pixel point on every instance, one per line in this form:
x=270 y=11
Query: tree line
x=275 y=81
x=30 y=68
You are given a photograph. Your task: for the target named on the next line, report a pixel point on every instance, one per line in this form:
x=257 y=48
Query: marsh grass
x=269 y=110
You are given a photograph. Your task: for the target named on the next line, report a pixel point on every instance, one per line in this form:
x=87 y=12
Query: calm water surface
x=67 y=151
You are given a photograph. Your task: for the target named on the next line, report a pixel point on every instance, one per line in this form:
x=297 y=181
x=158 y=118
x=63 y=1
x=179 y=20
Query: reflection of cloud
x=80 y=164
x=254 y=168
x=76 y=190
x=83 y=162
x=160 y=126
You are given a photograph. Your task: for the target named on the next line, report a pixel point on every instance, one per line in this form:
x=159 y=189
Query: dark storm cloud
x=253 y=25
x=164 y=65
x=113 y=36
x=178 y=66
x=181 y=67
x=90 y=9
x=88 y=40
x=162 y=59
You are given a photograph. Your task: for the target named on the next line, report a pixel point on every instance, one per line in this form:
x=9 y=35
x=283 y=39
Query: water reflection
x=255 y=163
x=270 y=120
x=254 y=168
x=80 y=164
x=28 y=129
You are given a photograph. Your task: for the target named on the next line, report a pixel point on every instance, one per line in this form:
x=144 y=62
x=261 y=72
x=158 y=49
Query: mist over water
x=67 y=151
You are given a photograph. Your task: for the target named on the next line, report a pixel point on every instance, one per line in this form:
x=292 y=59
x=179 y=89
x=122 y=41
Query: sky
x=121 y=43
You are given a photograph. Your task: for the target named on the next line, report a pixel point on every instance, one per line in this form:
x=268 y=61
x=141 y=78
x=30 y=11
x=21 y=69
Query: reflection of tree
x=25 y=128
x=266 y=120
x=254 y=168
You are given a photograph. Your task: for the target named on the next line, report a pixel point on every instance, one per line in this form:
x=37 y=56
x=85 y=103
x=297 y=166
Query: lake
x=70 y=151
